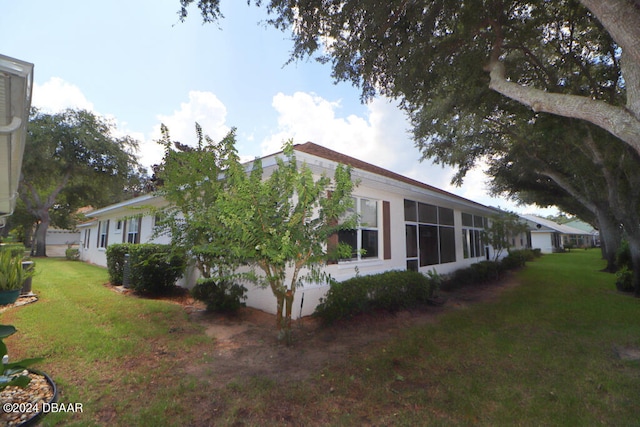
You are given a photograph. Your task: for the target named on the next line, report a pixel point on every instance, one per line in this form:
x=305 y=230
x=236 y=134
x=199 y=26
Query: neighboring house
x=588 y=228
x=58 y=240
x=409 y=225
x=551 y=237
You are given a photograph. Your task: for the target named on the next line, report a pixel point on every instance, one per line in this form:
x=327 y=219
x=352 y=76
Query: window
x=429 y=233
x=472 y=226
x=364 y=239
x=133 y=234
x=103 y=233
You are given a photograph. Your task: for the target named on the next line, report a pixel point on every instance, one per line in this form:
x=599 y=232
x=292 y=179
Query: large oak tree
x=73 y=159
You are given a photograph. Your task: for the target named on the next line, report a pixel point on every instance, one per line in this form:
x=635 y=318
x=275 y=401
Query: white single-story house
x=587 y=228
x=409 y=225
x=551 y=237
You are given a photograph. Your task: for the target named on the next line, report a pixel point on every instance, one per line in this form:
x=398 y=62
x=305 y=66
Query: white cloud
x=203 y=108
x=381 y=138
x=56 y=95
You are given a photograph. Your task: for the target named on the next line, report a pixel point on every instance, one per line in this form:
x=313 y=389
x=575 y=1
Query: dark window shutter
x=139 y=229
x=106 y=236
x=332 y=241
x=386 y=229
x=124 y=231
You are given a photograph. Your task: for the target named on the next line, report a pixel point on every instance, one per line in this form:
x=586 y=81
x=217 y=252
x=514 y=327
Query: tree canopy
x=73 y=159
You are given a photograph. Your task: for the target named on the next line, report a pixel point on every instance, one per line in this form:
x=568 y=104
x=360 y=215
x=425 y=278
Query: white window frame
x=360 y=227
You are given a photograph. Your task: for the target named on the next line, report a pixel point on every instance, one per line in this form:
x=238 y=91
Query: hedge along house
x=404 y=224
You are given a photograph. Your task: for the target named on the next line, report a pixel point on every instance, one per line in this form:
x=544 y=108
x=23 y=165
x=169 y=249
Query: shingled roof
x=326 y=153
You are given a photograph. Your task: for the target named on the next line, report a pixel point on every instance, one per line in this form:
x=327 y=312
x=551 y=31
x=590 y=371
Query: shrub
x=390 y=291
x=155 y=268
x=115 y=261
x=220 y=296
x=15 y=249
x=72 y=254
x=624 y=280
x=623 y=256
x=485 y=271
x=516 y=259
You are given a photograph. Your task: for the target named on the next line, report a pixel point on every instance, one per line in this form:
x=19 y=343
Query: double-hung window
x=133 y=232
x=364 y=238
x=103 y=234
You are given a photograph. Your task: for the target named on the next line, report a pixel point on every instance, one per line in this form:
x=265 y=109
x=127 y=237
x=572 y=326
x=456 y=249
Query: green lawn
x=542 y=354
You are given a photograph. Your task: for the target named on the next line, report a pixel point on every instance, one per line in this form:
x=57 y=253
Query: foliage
x=220 y=296
x=390 y=291
x=624 y=279
x=502 y=228
x=115 y=261
x=16 y=250
x=518 y=259
x=12 y=275
x=11 y=373
x=155 y=268
x=72 y=254
x=623 y=255
x=486 y=271
x=191 y=182
x=276 y=222
x=73 y=159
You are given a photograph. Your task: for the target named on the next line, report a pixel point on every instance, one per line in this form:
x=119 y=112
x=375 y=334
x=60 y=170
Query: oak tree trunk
x=610 y=237
x=39 y=245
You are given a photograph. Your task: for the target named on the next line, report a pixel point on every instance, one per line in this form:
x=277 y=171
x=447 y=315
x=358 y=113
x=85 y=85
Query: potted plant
x=26 y=407
x=12 y=373
x=12 y=277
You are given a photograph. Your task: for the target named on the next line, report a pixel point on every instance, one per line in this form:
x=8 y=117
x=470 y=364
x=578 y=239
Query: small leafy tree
x=270 y=227
x=502 y=228
x=190 y=179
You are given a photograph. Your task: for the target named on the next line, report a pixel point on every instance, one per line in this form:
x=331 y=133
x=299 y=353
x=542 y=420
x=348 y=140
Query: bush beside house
x=393 y=291
x=115 y=262
x=390 y=291
x=153 y=268
x=221 y=296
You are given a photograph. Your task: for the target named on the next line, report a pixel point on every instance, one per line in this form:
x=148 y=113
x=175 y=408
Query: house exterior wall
x=542 y=241
x=114 y=224
x=388 y=195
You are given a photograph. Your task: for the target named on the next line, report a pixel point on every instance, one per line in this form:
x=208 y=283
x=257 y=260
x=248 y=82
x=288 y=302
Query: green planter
x=9 y=297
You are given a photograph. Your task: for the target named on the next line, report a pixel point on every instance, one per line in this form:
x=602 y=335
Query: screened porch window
x=429 y=234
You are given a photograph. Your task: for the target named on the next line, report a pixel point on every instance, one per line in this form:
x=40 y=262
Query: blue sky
x=134 y=62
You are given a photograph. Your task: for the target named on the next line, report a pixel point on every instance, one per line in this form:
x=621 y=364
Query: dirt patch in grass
x=246 y=344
